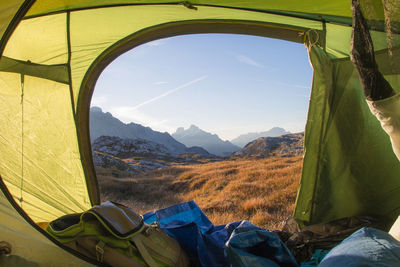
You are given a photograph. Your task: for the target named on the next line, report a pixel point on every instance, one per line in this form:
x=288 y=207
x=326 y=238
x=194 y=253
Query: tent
x=53 y=51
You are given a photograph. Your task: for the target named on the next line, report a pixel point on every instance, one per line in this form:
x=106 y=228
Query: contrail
x=169 y=92
x=248 y=61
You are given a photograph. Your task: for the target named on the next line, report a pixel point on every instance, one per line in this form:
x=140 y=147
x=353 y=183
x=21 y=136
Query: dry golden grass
x=262 y=191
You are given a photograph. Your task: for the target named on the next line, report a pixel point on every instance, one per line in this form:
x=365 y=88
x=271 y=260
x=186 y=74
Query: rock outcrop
x=281 y=146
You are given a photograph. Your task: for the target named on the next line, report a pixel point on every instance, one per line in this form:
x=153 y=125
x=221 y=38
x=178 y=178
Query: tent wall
x=349 y=167
x=52 y=60
x=40 y=159
x=40 y=156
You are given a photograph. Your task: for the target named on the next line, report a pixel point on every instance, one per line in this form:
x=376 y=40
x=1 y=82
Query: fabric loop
x=5 y=248
x=311 y=38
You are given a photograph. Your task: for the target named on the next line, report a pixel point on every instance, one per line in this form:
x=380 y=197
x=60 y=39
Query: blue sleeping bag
x=367 y=247
x=235 y=244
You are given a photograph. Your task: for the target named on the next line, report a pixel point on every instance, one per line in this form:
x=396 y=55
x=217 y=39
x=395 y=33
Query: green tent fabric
x=357 y=172
x=52 y=52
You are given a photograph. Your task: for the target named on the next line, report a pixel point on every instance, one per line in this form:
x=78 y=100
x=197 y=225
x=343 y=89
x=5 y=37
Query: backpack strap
x=137 y=240
x=156 y=246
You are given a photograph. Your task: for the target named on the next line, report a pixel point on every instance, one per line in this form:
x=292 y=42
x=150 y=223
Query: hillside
x=281 y=146
x=244 y=139
x=262 y=190
x=194 y=136
x=102 y=123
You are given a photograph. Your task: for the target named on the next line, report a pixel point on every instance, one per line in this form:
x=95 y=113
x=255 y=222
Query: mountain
x=102 y=123
x=281 y=146
x=194 y=136
x=244 y=139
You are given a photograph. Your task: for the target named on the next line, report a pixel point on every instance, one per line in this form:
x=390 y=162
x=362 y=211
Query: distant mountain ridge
x=134 y=148
x=244 y=139
x=194 y=136
x=281 y=146
x=102 y=123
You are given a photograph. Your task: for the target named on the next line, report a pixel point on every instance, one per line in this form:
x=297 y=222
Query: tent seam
x=264 y=11
x=24 y=8
x=22 y=138
x=93 y=200
x=318 y=167
x=71 y=90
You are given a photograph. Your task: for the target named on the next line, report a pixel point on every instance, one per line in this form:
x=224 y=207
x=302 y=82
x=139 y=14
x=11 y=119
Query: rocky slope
x=139 y=155
x=128 y=148
x=194 y=136
x=109 y=162
x=244 y=139
x=281 y=146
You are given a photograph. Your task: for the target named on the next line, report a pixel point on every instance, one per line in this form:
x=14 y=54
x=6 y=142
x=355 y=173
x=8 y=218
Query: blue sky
x=225 y=84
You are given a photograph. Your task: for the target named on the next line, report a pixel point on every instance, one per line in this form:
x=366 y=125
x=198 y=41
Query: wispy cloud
x=160 y=83
x=127 y=115
x=249 y=61
x=159 y=123
x=169 y=92
x=98 y=101
x=294 y=85
x=133 y=114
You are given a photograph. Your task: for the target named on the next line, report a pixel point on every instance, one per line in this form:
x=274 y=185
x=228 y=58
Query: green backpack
x=114 y=234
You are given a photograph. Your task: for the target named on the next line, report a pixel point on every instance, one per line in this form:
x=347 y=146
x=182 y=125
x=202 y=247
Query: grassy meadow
x=262 y=191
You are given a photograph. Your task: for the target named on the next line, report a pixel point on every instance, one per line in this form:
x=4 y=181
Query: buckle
x=100 y=251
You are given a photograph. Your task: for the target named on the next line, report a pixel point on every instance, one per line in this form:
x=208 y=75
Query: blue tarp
x=235 y=244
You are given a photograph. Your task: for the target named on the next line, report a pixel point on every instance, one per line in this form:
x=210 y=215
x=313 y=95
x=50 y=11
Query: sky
x=223 y=83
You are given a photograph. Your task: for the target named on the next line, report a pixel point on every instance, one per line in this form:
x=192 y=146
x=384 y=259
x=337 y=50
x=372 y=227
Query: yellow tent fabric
x=52 y=52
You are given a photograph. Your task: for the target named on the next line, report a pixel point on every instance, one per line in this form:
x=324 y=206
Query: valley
x=148 y=170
